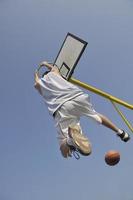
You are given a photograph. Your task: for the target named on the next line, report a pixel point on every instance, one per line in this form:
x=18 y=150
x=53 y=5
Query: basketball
x=112 y=157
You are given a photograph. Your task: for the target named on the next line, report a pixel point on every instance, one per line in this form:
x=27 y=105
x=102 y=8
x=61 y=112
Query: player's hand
x=37 y=84
x=65 y=150
x=36 y=77
x=44 y=63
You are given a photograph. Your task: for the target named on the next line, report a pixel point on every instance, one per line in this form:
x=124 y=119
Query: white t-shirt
x=56 y=91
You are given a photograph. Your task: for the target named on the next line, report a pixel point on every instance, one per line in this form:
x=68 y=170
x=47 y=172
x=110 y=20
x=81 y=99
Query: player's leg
x=75 y=143
x=70 y=132
x=79 y=140
x=121 y=133
x=106 y=122
x=83 y=104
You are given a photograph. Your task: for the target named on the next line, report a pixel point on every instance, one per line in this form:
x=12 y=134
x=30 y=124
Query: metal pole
x=101 y=93
x=123 y=117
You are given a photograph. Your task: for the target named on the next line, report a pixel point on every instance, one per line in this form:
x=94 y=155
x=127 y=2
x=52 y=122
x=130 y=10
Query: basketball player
x=67 y=103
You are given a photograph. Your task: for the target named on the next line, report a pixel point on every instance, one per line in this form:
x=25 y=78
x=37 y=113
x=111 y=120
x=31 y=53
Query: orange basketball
x=112 y=157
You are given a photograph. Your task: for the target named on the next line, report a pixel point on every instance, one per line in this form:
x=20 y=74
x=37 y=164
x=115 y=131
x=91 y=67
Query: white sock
x=69 y=141
x=120 y=131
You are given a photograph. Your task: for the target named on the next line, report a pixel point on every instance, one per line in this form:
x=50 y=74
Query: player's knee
x=98 y=118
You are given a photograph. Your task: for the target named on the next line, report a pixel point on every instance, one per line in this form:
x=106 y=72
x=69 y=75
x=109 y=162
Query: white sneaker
x=124 y=136
x=80 y=142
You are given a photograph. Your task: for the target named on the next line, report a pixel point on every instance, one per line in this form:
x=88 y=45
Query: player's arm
x=46 y=64
x=37 y=82
x=50 y=67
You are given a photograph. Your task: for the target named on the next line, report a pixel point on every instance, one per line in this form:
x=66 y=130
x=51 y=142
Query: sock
x=69 y=141
x=120 y=131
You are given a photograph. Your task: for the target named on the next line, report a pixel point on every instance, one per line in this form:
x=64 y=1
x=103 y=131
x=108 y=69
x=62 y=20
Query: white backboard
x=69 y=55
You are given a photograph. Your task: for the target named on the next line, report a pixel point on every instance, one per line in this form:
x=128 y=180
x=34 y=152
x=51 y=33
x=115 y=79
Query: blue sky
x=31 y=166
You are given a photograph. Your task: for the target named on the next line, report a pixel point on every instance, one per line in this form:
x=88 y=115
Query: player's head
x=45 y=73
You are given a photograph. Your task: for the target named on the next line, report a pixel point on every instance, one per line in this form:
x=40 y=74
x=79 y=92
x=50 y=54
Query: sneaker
x=81 y=143
x=74 y=152
x=124 y=136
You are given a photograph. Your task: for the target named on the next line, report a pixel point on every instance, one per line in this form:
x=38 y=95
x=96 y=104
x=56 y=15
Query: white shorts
x=70 y=112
